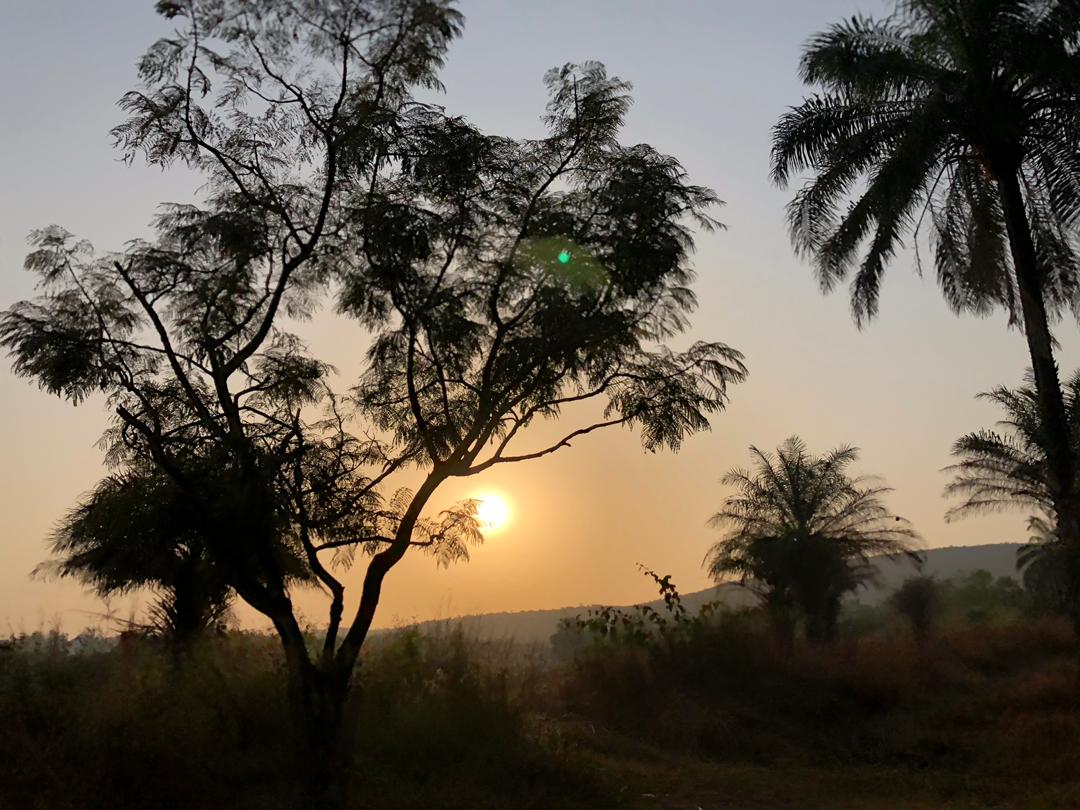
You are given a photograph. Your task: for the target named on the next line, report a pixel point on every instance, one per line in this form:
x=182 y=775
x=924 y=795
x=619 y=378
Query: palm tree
x=801 y=531
x=918 y=600
x=1050 y=570
x=136 y=530
x=962 y=114
x=1009 y=469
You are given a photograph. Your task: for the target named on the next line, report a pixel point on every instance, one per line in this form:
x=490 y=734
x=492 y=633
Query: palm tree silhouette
x=136 y=530
x=963 y=114
x=1009 y=469
x=801 y=532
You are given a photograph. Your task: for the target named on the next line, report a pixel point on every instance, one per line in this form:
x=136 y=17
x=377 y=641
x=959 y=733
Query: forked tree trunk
x=319 y=702
x=1061 y=465
x=319 y=689
x=318 y=706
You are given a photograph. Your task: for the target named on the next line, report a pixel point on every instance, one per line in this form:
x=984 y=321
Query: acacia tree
x=963 y=115
x=801 y=531
x=499 y=282
x=281 y=106
x=521 y=277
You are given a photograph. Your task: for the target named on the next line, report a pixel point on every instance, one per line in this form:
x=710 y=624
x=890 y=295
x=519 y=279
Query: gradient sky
x=710 y=78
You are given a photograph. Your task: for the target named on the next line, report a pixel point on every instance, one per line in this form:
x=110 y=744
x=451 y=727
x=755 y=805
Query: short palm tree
x=801 y=531
x=1050 y=570
x=136 y=530
x=963 y=115
x=1009 y=469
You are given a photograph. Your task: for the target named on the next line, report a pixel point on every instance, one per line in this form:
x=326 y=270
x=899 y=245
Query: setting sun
x=492 y=511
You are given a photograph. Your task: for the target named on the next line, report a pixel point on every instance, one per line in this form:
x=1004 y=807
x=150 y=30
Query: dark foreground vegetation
x=983 y=712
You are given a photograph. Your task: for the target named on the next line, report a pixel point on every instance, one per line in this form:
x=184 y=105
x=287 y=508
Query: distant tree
x=918 y=600
x=801 y=532
x=499 y=281
x=960 y=114
x=978 y=596
x=1009 y=469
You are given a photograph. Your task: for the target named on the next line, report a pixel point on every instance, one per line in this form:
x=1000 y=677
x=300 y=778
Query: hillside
x=533 y=626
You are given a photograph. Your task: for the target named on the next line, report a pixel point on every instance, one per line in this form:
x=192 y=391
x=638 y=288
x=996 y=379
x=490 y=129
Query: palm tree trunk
x=1029 y=277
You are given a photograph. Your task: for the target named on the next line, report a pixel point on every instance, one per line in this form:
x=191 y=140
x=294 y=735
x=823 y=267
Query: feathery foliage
x=136 y=531
x=1006 y=469
x=442 y=242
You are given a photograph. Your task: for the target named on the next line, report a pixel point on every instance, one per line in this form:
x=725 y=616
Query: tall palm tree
x=963 y=115
x=1009 y=469
x=801 y=531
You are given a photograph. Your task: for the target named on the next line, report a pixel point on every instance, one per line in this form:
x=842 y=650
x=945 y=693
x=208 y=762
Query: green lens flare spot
x=564 y=257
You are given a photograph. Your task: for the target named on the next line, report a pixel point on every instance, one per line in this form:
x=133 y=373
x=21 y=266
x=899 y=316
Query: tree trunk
x=782 y=617
x=319 y=704
x=1061 y=466
x=821 y=625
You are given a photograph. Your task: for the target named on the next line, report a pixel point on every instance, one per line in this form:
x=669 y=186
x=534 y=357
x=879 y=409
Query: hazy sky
x=710 y=78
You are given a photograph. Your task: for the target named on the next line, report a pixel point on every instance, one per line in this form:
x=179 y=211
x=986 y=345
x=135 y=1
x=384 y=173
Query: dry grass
x=981 y=716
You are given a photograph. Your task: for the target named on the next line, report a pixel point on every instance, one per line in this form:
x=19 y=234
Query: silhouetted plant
x=961 y=114
x=918 y=600
x=500 y=280
x=800 y=532
x=1049 y=570
x=137 y=530
x=640 y=625
x=1009 y=469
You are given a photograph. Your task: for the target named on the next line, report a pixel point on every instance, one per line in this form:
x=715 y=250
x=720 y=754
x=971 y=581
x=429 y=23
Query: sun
x=492 y=511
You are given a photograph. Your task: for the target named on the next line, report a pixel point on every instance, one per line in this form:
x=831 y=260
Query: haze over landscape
x=710 y=80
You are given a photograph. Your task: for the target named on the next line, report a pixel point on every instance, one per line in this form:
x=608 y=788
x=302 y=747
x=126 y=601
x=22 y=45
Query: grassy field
x=982 y=715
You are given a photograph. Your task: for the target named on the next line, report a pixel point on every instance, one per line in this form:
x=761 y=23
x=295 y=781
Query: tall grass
x=137 y=728
x=980 y=715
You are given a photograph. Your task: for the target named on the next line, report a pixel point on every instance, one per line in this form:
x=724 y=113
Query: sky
x=710 y=79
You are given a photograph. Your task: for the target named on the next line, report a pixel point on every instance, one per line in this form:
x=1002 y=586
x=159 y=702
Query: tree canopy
x=918 y=116
x=494 y=281
x=801 y=531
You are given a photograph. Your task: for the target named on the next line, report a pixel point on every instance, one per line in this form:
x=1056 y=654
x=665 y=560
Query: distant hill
x=532 y=626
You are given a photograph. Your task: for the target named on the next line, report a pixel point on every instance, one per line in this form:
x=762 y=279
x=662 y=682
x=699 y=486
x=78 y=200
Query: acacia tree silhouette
x=963 y=112
x=447 y=246
x=800 y=531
